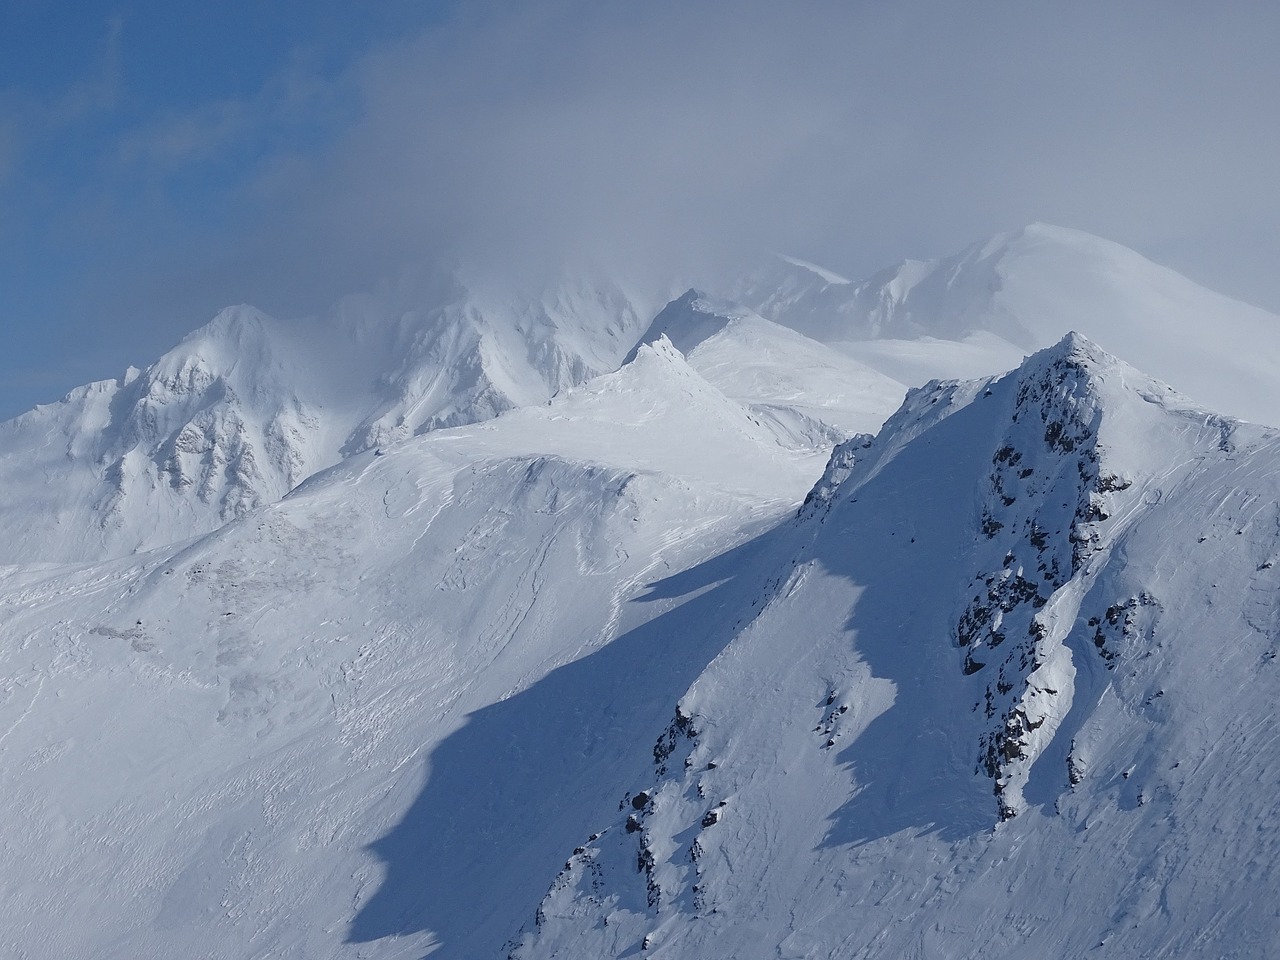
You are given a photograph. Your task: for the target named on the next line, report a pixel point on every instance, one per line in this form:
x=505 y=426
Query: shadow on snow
x=905 y=538
x=511 y=793
x=514 y=790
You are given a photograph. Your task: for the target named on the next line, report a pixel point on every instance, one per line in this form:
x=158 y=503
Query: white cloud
x=853 y=133
x=693 y=133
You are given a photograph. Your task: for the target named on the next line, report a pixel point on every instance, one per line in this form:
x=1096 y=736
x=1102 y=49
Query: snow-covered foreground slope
x=579 y=679
x=248 y=406
x=1010 y=693
x=1020 y=291
x=373 y=716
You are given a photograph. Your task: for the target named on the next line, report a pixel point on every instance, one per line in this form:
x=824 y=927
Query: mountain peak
x=688 y=320
x=1074 y=348
x=1026 y=634
x=232 y=326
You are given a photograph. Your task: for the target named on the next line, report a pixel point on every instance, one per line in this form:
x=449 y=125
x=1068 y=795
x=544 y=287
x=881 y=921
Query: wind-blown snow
x=826 y=276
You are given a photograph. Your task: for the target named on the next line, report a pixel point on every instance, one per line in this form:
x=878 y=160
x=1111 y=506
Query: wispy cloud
x=852 y=133
x=521 y=136
x=94 y=92
x=192 y=136
x=275 y=117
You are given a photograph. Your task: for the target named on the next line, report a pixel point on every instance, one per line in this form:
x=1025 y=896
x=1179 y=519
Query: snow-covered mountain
x=1017 y=292
x=445 y=635
x=248 y=406
x=1009 y=692
x=581 y=678
x=218 y=748
x=810 y=393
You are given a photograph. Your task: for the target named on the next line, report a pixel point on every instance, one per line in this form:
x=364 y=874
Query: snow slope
x=1020 y=291
x=219 y=749
x=582 y=677
x=1009 y=693
x=810 y=393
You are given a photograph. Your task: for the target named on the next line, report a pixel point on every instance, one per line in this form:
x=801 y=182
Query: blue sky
x=161 y=160
x=129 y=132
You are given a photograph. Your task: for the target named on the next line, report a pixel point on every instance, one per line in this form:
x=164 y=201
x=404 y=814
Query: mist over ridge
x=678 y=140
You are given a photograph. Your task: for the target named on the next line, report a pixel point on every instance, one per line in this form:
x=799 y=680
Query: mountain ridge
x=1005 y=697
x=245 y=408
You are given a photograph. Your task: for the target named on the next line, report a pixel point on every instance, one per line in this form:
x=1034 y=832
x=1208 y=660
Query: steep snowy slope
x=220 y=749
x=246 y=407
x=1020 y=291
x=1010 y=693
x=579 y=679
x=812 y=394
